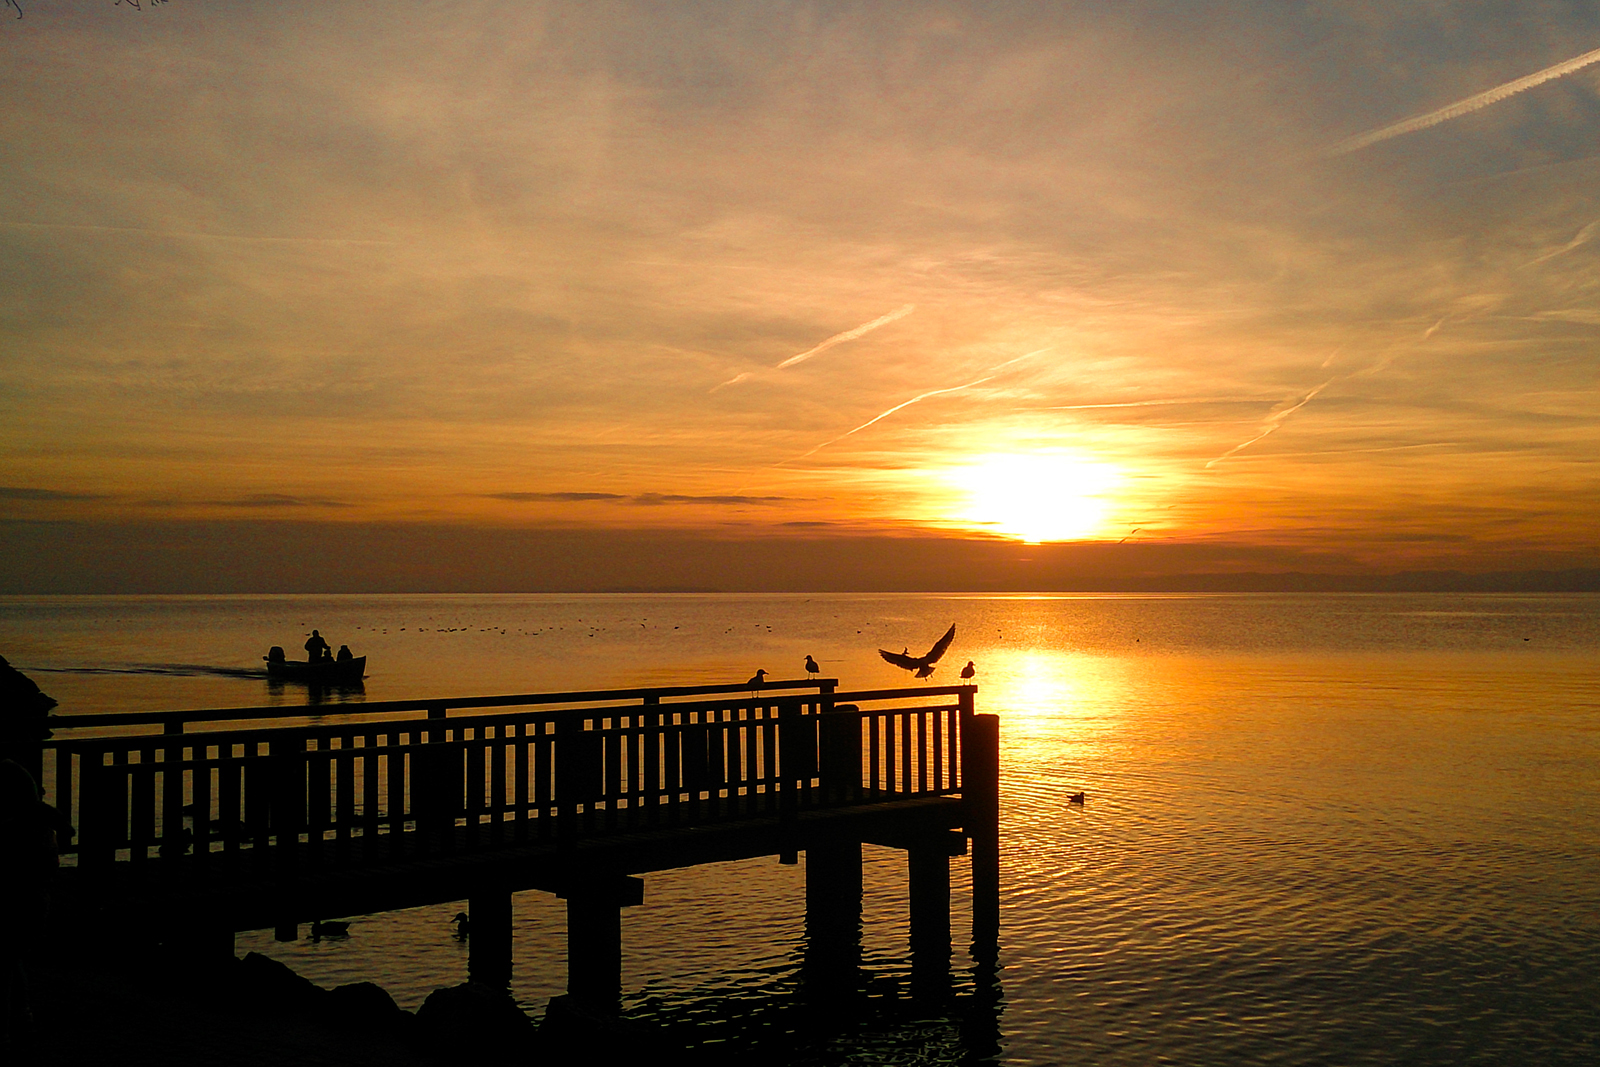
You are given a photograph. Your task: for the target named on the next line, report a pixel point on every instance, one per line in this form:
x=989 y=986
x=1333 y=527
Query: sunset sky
x=1163 y=274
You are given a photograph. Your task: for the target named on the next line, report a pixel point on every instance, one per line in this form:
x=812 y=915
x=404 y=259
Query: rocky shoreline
x=257 y=1011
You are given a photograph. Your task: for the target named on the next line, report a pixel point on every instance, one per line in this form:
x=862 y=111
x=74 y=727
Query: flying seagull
x=922 y=665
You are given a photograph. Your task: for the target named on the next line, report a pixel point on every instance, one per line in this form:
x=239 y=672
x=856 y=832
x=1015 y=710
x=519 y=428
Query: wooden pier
x=194 y=825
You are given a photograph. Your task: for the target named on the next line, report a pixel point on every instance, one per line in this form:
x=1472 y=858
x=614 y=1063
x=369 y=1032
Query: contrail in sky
x=1582 y=238
x=1276 y=419
x=837 y=339
x=1273 y=422
x=850 y=335
x=1462 y=107
x=993 y=371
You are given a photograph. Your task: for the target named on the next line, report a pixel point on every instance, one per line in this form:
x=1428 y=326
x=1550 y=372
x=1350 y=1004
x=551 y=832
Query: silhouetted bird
x=757 y=680
x=1074 y=798
x=922 y=665
x=321 y=928
x=969 y=670
x=463 y=925
x=812 y=668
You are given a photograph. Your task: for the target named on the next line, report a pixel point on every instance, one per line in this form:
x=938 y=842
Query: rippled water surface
x=1319 y=829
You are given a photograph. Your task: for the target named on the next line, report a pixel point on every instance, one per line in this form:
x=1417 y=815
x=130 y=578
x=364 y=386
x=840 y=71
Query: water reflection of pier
x=195 y=825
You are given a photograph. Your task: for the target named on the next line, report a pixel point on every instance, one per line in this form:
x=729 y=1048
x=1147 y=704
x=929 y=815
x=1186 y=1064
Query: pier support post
x=980 y=787
x=833 y=914
x=594 y=939
x=287 y=758
x=928 y=871
x=839 y=742
x=489 y=942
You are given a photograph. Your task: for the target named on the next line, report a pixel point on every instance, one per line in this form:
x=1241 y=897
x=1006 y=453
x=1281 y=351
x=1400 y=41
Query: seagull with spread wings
x=922 y=665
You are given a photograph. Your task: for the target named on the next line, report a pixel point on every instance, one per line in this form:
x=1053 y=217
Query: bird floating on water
x=922 y=665
x=1074 y=798
x=969 y=670
x=811 y=667
x=321 y=928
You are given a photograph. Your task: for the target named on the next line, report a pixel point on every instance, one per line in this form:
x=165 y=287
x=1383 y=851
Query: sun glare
x=1034 y=498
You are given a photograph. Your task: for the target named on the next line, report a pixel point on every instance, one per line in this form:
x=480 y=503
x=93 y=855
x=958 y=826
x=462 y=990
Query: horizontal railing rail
x=373 y=789
x=174 y=721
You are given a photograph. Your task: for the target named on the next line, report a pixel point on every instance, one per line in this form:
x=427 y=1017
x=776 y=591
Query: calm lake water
x=1319 y=829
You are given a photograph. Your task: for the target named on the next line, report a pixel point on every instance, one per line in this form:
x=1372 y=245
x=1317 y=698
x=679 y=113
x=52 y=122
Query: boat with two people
x=320 y=667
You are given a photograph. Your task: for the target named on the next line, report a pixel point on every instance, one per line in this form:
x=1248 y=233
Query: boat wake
x=174 y=670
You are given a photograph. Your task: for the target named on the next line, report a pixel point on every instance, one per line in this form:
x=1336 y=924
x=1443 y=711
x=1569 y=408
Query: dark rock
x=271 y=984
x=363 y=1005
x=24 y=718
x=20 y=695
x=474 y=1019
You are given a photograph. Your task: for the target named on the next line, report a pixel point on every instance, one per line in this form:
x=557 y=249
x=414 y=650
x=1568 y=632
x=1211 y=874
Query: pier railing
x=397 y=779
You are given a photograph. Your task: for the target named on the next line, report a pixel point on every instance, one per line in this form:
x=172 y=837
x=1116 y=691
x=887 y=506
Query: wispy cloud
x=12 y=492
x=278 y=500
x=197 y=235
x=1463 y=107
x=837 y=339
x=658 y=499
x=647 y=500
x=555 y=498
x=1176 y=402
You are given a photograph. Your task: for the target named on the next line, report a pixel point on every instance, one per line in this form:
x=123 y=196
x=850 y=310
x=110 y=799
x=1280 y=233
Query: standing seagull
x=968 y=671
x=922 y=665
x=812 y=670
x=757 y=680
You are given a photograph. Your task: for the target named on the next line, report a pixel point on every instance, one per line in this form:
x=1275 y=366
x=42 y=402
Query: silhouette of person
x=317 y=648
x=344 y=654
x=28 y=856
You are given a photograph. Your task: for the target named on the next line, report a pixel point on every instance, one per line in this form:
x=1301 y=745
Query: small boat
x=316 y=672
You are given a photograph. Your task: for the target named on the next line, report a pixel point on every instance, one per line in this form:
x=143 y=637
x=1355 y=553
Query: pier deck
x=212 y=822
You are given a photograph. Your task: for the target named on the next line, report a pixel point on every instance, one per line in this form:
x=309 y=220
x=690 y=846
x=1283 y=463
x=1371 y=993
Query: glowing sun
x=1040 y=497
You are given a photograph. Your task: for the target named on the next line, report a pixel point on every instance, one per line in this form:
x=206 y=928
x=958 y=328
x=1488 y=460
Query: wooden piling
x=981 y=793
x=833 y=913
x=594 y=938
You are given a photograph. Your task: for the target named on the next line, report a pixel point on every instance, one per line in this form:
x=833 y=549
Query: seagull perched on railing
x=757 y=680
x=812 y=670
x=922 y=665
x=968 y=671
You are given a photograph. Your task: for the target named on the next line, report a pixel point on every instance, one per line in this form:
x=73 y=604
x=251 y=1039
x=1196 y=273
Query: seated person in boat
x=345 y=655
